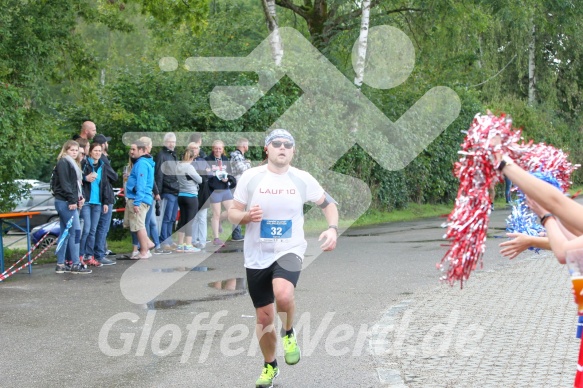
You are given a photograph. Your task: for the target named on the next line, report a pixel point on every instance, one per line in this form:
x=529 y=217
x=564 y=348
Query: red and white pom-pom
x=468 y=222
x=542 y=157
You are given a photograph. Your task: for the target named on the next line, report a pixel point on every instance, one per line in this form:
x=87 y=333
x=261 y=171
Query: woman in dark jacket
x=68 y=198
x=96 y=201
x=221 y=182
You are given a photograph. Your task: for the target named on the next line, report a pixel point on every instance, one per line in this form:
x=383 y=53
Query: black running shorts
x=259 y=281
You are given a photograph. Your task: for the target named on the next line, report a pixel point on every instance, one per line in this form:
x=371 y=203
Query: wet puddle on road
x=229 y=250
x=183 y=269
x=239 y=285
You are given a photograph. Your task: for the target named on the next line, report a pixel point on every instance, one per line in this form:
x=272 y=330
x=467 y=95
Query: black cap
x=101 y=139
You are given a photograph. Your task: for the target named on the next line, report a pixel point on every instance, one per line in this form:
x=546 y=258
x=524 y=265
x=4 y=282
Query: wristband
x=506 y=161
x=333 y=227
x=544 y=218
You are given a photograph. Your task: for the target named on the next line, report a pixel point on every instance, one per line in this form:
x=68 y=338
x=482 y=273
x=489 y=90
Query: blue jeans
x=71 y=244
x=237 y=232
x=101 y=233
x=170 y=211
x=199 y=227
x=90 y=215
x=152 y=226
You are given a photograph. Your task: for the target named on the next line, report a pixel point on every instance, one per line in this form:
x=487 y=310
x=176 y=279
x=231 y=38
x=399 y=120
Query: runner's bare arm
x=330 y=235
x=238 y=216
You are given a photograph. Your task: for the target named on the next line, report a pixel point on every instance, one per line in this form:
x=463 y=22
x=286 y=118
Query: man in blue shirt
x=139 y=195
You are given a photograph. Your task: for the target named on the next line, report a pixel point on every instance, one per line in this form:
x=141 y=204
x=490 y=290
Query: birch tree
x=360 y=62
x=275 y=38
x=326 y=18
x=362 y=43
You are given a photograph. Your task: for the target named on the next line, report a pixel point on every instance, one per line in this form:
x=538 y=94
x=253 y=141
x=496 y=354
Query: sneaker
x=82 y=262
x=78 y=269
x=62 y=268
x=105 y=261
x=180 y=248
x=110 y=253
x=218 y=241
x=93 y=262
x=169 y=247
x=190 y=249
x=267 y=376
x=238 y=238
x=291 y=350
x=200 y=246
x=161 y=251
x=135 y=254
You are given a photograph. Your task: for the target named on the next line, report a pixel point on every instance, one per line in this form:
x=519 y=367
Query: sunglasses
x=287 y=144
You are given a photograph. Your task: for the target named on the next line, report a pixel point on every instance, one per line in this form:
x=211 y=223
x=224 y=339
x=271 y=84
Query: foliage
x=68 y=61
x=38 y=48
x=189 y=14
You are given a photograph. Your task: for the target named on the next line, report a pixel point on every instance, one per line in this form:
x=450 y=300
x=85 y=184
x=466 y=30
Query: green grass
x=120 y=246
x=373 y=217
x=13 y=255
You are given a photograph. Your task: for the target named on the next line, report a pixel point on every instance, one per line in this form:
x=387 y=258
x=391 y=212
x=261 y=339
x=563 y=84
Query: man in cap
x=104 y=223
x=269 y=199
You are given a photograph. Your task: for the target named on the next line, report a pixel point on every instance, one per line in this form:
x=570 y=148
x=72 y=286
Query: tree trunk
x=531 y=69
x=362 y=43
x=316 y=25
x=275 y=37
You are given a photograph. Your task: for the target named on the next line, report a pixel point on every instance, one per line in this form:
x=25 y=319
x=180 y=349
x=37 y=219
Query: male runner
x=269 y=199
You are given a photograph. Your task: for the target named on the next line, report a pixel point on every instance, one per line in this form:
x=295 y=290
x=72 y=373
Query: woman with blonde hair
x=188 y=181
x=68 y=199
x=221 y=182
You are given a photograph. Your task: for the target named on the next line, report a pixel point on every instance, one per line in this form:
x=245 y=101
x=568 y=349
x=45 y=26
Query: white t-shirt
x=282 y=198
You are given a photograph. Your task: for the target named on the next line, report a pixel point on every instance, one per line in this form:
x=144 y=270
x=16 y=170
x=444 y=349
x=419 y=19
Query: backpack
x=53 y=181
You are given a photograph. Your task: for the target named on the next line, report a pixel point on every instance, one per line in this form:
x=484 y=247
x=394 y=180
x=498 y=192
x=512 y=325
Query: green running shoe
x=267 y=376
x=291 y=350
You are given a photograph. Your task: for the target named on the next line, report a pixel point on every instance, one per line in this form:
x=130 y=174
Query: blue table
x=5 y=219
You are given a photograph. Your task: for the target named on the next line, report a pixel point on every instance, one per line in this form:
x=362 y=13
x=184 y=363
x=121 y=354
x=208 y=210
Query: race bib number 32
x=272 y=230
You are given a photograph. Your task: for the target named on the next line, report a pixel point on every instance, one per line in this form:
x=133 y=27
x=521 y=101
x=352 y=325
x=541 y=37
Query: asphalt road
x=73 y=330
